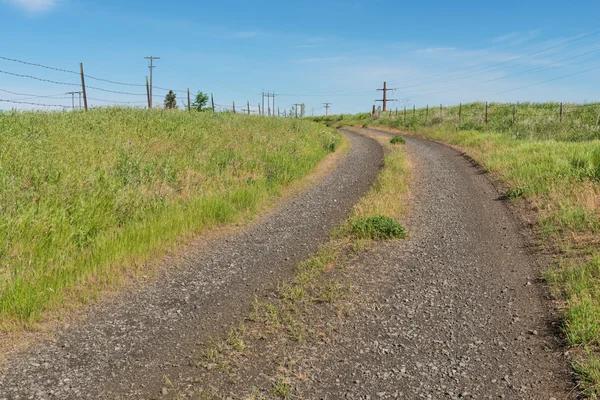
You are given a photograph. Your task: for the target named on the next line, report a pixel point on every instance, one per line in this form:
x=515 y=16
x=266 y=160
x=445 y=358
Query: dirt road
x=455 y=311
x=126 y=346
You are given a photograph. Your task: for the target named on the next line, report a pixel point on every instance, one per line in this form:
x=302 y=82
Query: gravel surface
x=455 y=311
x=125 y=346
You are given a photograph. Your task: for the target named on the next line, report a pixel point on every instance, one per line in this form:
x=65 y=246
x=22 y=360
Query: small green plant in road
x=379 y=227
x=282 y=388
x=397 y=140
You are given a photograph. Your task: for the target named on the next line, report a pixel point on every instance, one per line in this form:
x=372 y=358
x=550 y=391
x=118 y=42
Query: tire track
x=125 y=346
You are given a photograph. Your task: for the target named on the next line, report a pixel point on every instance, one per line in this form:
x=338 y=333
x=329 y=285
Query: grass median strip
x=555 y=167
x=305 y=310
x=88 y=198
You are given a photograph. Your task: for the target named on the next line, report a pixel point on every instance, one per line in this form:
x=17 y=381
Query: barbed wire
x=40 y=79
x=33 y=104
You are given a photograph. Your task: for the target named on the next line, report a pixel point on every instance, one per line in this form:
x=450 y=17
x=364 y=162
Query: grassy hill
x=89 y=197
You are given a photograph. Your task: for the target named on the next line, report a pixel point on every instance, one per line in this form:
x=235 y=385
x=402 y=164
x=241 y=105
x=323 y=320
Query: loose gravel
x=455 y=311
x=125 y=346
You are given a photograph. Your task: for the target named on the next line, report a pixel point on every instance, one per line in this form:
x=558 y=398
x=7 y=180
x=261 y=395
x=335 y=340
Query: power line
x=509 y=75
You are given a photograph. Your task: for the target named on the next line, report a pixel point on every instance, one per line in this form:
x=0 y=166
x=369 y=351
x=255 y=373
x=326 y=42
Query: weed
x=397 y=140
x=281 y=388
x=379 y=227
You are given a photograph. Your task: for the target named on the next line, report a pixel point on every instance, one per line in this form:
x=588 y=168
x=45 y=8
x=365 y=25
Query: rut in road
x=125 y=347
x=455 y=311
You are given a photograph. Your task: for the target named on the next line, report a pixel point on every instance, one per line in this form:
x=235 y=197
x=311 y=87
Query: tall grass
x=88 y=197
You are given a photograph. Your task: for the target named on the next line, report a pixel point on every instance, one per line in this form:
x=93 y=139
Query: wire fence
x=78 y=91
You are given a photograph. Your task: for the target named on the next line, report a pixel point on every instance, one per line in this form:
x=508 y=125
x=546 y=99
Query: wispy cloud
x=515 y=38
x=34 y=6
x=434 y=50
x=316 y=60
x=242 y=35
x=305 y=46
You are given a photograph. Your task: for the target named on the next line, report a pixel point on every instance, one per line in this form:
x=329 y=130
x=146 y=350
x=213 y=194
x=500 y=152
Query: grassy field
x=87 y=198
x=556 y=167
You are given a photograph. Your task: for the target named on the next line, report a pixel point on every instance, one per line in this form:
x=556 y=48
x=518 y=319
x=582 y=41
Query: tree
x=200 y=101
x=170 y=101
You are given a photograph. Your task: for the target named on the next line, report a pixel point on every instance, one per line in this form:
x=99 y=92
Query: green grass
x=555 y=166
x=87 y=198
x=397 y=140
x=378 y=227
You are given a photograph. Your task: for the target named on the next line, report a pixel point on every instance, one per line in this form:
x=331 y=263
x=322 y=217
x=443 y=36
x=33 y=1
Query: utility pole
x=151 y=66
x=385 y=99
x=269 y=95
x=83 y=86
x=326 y=108
x=248 y=104
x=296 y=108
x=263 y=103
x=73 y=99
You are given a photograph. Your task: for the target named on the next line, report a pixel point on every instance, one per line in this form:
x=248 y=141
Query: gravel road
x=125 y=346
x=455 y=311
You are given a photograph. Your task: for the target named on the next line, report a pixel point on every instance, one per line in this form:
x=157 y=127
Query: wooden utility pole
x=263 y=103
x=148 y=93
x=151 y=66
x=189 y=102
x=385 y=99
x=73 y=99
x=234 y=107
x=405 y=114
x=414 y=110
x=212 y=102
x=459 y=112
x=278 y=112
x=248 y=104
x=327 y=108
x=427 y=114
x=440 y=111
x=296 y=108
x=83 y=87
x=513 y=113
x=373 y=112
x=259 y=109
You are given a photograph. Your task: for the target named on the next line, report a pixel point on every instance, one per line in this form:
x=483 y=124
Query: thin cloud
x=515 y=38
x=320 y=60
x=435 y=50
x=34 y=6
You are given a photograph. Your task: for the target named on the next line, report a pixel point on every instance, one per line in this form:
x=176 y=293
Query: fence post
x=513 y=114
x=248 y=103
x=459 y=113
x=405 y=114
x=189 y=104
x=561 y=112
x=212 y=100
x=486 y=112
x=234 y=107
x=427 y=114
x=259 y=109
x=148 y=93
x=83 y=86
x=414 y=110
x=440 y=111
x=373 y=112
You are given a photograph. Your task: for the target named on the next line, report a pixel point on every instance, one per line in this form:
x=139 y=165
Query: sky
x=312 y=52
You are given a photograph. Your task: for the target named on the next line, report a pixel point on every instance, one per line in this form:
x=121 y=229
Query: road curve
x=454 y=311
x=125 y=346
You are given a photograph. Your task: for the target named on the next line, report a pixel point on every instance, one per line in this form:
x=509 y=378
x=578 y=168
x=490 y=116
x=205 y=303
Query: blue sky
x=307 y=52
